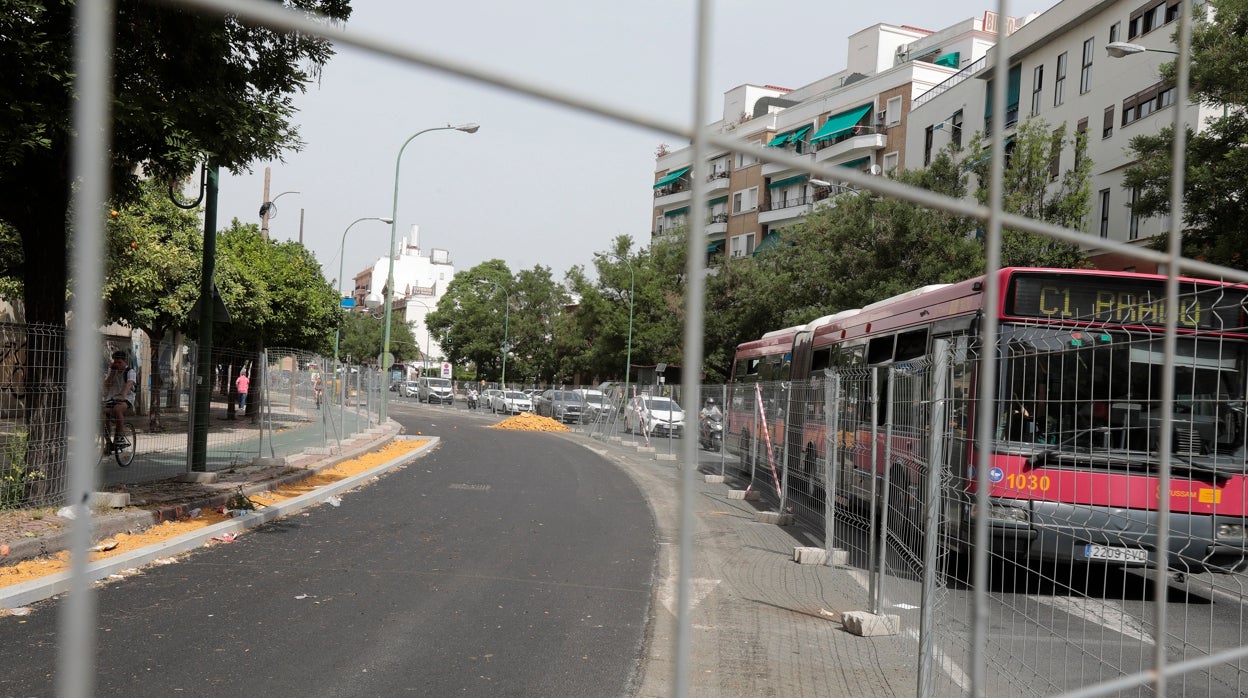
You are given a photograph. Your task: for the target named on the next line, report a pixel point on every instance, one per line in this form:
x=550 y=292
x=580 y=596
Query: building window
x=1081 y=141
x=745 y=201
x=927 y=145
x=890 y=161
x=1104 y=213
x=892 y=113
x=1055 y=155
x=1115 y=31
x=1059 y=81
x=955 y=123
x=1153 y=14
x=1085 y=73
x=1037 y=86
x=1145 y=102
x=746 y=159
x=1107 y=129
x=1133 y=231
x=741 y=245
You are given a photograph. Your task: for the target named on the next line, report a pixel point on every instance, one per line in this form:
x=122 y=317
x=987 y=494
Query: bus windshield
x=1059 y=382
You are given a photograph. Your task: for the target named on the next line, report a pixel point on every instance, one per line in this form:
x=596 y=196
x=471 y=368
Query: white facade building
x=420 y=280
x=1061 y=72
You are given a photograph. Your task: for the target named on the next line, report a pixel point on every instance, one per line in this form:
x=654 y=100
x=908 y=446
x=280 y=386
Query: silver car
x=512 y=402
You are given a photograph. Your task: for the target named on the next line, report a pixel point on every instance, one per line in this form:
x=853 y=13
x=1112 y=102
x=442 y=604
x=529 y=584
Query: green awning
x=772 y=241
x=671 y=177
x=715 y=246
x=779 y=140
x=840 y=124
x=856 y=163
x=716 y=202
x=677 y=211
x=949 y=60
x=787 y=181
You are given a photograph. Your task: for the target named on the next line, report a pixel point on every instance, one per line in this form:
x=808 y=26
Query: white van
x=596 y=406
x=435 y=390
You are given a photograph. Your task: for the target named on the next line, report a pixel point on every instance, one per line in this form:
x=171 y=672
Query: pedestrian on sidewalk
x=240 y=385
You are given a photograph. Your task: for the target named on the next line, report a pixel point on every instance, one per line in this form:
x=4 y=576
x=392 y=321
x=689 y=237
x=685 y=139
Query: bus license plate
x=1105 y=552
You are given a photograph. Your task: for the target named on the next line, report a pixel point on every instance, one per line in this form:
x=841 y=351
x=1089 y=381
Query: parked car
x=435 y=390
x=492 y=399
x=595 y=406
x=410 y=389
x=654 y=415
x=512 y=402
x=562 y=405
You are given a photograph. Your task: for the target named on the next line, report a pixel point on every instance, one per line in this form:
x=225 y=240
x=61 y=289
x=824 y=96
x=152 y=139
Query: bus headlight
x=1228 y=531
x=1007 y=512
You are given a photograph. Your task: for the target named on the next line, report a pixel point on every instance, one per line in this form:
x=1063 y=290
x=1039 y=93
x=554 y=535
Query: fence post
x=931 y=515
x=832 y=453
x=723 y=435
x=878 y=523
x=788 y=424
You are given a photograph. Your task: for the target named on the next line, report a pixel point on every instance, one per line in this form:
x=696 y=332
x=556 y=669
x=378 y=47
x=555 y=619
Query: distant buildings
x=906 y=93
x=420 y=280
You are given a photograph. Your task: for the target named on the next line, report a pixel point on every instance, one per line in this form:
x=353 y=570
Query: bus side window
x=911 y=345
x=880 y=350
x=820 y=359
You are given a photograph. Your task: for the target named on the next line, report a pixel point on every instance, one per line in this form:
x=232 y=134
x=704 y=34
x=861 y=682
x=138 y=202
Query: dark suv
x=562 y=405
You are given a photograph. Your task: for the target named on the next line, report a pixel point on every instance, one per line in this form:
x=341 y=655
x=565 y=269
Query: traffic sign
x=348 y=303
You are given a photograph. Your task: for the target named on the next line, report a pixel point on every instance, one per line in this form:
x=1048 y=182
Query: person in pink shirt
x=240 y=385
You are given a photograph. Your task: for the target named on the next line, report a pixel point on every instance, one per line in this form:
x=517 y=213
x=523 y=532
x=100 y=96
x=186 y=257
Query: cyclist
x=118 y=396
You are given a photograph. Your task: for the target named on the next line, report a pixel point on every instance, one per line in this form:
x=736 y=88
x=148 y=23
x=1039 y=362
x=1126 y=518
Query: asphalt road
x=502 y=563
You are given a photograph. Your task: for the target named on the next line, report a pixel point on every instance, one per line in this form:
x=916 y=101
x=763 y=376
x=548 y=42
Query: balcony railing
x=717 y=175
x=851 y=133
x=717 y=218
x=673 y=189
x=949 y=82
x=791 y=202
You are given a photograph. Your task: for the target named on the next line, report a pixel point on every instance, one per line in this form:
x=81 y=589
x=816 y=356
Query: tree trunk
x=41 y=220
x=154 y=338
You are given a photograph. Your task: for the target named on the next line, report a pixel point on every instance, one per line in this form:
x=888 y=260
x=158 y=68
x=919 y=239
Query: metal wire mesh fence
x=292 y=405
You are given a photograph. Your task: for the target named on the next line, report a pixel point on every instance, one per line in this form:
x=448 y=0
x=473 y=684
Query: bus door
x=803 y=424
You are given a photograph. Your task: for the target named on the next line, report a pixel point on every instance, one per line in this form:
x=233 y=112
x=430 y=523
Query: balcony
x=676 y=194
x=716 y=182
x=793 y=207
x=771 y=169
x=861 y=141
x=717 y=224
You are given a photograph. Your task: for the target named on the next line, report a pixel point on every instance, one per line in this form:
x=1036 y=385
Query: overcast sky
x=538 y=184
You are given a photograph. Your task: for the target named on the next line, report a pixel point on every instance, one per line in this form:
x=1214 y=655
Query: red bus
x=1074 y=471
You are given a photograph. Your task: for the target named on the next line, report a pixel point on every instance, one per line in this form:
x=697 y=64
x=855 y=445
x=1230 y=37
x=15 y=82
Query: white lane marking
x=1108 y=614
x=951 y=668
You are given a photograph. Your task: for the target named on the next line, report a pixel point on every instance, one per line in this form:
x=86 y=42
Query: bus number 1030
x=1028 y=482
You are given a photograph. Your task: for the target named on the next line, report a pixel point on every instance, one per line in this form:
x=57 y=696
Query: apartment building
x=855 y=118
x=1061 y=71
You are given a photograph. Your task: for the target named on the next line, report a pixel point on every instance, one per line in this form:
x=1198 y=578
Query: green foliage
x=186 y=84
x=361 y=336
x=487 y=305
x=15 y=476
x=1028 y=191
x=1215 y=214
x=273 y=290
x=153 y=253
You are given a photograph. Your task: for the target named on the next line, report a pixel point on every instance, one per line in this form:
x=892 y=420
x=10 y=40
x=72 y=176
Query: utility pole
x=265 y=207
x=300 y=226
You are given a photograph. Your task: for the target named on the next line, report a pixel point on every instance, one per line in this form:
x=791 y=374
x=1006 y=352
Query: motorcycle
x=472 y=400
x=711 y=432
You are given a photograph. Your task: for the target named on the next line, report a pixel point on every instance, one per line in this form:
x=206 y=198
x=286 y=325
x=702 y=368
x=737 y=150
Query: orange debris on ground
x=28 y=570
x=527 y=421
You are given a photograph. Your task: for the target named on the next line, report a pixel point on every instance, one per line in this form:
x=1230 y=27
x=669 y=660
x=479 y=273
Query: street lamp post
x=506 y=312
x=632 y=284
x=342 y=248
x=394 y=216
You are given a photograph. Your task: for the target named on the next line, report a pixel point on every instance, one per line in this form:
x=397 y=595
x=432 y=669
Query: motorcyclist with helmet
x=710 y=426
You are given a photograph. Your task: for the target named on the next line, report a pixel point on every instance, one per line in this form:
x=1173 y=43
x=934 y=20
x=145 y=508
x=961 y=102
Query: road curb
x=47 y=587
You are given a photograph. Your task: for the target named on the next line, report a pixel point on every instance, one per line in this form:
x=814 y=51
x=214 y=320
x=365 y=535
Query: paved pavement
x=760 y=623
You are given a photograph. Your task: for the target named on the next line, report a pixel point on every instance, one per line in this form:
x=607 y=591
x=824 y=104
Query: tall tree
x=474 y=316
x=1215 y=220
x=1029 y=191
x=152 y=267
x=185 y=85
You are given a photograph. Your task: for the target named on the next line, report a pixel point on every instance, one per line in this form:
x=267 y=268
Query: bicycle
x=123 y=454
